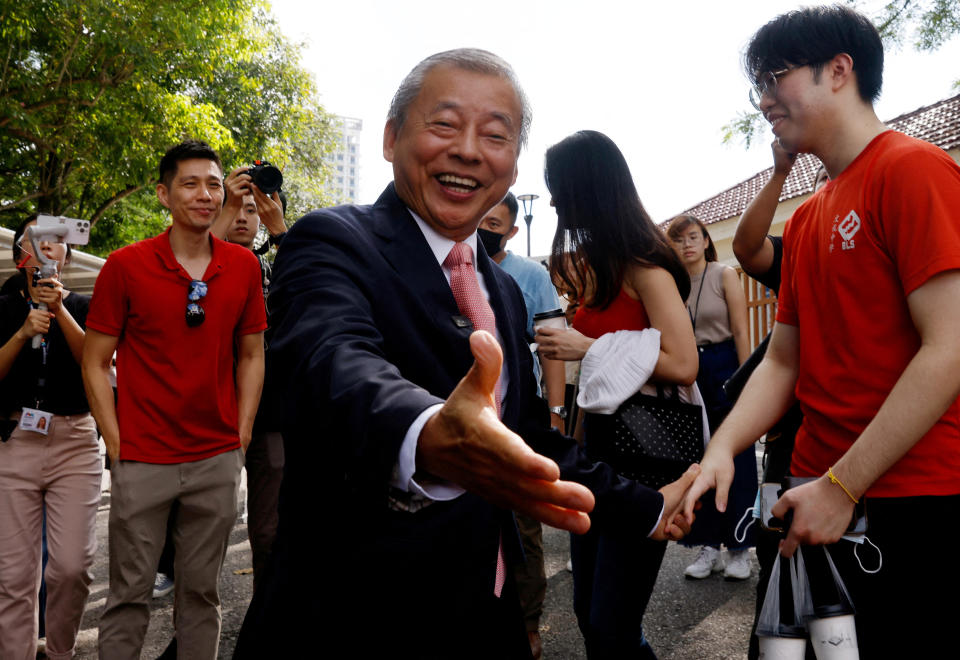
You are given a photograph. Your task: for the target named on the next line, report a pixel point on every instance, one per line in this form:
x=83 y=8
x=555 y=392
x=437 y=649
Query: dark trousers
x=717 y=364
x=613 y=577
x=264 y=462
x=907 y=609
x=529 y=573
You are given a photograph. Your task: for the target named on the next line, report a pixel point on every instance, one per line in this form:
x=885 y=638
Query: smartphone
x=769 y=494
x=77 y=231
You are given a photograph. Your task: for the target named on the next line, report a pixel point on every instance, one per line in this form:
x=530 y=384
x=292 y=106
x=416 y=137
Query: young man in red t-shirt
x=866 y=333
x=184 y=312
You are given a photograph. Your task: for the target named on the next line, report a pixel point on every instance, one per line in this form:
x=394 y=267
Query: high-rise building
x=345 y=181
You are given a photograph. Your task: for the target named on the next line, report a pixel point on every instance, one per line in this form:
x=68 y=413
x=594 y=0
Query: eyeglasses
x=685 y=239
x=195 y=315
x=767 y=84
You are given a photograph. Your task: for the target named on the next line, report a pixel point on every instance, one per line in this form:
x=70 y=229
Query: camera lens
x=266 y=177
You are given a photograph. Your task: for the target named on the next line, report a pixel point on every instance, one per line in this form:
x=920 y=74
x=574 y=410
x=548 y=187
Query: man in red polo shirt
x=180 y=309
x=866 y=336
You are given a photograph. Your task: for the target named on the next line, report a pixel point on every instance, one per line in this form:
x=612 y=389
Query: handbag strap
x=672 y=388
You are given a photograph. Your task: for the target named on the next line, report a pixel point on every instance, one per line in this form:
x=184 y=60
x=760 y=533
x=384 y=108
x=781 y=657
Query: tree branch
x=69 y=54
x=18 y=202
x=103 y=208
x=31 y=138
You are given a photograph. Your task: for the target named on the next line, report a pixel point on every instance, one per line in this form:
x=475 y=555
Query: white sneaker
x=162 y=585
x=737 y=565
x=707 y=562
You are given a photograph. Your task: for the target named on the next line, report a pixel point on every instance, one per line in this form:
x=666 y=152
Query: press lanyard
x=694 y=315
x=42 y=372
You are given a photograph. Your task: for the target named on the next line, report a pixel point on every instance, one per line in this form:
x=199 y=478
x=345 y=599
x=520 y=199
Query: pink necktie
x=473 y=304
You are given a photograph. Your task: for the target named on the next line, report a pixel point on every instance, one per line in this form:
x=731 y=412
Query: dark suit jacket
x=364 y=338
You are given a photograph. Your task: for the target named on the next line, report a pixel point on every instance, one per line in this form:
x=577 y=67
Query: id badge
x=35 y=420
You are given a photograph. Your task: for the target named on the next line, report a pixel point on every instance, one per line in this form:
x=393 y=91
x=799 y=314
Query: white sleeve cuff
x=407 y=464
x=659 y=518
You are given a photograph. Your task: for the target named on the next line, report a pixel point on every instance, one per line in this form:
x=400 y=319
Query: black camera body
x=267 y=178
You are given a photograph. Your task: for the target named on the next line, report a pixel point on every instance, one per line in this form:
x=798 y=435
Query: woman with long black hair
x=626 y=276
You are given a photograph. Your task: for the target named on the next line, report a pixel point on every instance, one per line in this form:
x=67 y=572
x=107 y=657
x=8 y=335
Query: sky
x=661 y=79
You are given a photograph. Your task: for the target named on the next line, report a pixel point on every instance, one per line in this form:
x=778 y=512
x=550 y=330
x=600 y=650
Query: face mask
x=491 y=241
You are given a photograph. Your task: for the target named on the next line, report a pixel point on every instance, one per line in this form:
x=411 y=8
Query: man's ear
x=840 y=70
x=513 y=232
x=389 y=139
x=162 y=193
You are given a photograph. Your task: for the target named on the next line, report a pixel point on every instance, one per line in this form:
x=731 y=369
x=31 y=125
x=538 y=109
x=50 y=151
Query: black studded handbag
x=650 y=439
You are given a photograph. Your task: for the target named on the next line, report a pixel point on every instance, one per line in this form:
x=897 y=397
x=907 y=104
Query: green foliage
x=92 y=93
x=746 y=127
x=927 y=24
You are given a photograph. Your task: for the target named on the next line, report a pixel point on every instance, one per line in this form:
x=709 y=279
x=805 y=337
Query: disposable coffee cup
x=833 y=633
x=789 y=644
x=555 y=318
x=782 y=648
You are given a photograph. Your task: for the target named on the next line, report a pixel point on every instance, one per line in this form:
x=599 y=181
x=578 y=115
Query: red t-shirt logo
x=849 y=226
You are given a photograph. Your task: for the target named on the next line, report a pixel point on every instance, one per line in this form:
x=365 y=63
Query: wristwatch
x=559 y=411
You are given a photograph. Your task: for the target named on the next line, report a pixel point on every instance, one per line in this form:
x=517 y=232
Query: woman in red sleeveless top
x=608 y=251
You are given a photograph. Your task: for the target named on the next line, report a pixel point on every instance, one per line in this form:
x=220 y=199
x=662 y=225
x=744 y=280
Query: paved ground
x=685 y=620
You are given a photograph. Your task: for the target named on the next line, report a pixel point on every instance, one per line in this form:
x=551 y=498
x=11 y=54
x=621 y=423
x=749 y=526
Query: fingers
x=687 y=478
x=789 y=545
x=562 y=494
x=723 y=481
x=673 y=493
x=701 y=485
x=568 y=520
x=677 y=528
x=780 y=508
x=488 y=358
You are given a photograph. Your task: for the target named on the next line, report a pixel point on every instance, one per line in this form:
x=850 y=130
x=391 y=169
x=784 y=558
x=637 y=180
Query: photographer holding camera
x=49 y=455
x=254 y=198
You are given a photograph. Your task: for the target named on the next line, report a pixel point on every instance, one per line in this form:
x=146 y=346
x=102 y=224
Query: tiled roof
x=938 y=123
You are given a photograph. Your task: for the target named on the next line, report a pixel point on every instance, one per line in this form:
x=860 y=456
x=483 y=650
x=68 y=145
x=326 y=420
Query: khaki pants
x=59 y=471
x=530 y=575
x=142 y=494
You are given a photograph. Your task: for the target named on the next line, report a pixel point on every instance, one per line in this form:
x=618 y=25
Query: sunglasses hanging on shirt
x=195 y=315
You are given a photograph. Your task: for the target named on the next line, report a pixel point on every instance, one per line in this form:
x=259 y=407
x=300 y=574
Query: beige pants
x=59 y=471
x=142 y=494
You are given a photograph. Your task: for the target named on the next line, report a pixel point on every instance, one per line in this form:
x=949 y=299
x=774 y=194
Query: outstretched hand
x=673 y=525
x=467 y=444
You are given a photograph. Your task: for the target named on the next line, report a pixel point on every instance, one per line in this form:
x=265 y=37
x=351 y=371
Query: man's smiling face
x=455 y=156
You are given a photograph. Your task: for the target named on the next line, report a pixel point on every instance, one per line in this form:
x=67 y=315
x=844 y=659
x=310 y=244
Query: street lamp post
x=528 y=213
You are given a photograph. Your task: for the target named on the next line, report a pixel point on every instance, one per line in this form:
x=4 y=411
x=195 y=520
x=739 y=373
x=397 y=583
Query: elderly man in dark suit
x=408 y=443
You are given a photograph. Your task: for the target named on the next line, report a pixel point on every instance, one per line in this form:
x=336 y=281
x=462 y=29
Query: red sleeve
x=254 y=317
x=919 y=197
x=108 y=306
x=786 y=308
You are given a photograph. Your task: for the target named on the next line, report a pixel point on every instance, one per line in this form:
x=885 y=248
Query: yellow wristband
x=833 y=479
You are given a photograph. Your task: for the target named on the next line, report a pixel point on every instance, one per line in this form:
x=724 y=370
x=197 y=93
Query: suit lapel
x=406 y=250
